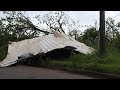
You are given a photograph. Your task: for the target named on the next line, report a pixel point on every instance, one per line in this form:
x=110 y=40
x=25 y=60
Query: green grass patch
x=108 y=64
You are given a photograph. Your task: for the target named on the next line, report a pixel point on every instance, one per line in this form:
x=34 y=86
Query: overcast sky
x=85 y=17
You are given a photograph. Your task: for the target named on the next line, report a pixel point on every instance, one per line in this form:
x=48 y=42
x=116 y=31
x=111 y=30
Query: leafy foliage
x=89 y=37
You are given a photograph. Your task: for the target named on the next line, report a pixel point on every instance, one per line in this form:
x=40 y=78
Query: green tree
x=90 y=36
x=112 y=33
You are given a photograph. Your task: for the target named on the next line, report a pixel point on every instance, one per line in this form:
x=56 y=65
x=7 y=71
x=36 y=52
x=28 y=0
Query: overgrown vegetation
x=108 y=64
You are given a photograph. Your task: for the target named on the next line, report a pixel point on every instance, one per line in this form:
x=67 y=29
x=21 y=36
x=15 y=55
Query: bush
x=108 y=64
x=3 y=52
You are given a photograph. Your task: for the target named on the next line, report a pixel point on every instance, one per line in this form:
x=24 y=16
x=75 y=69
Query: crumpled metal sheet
x=42 y=44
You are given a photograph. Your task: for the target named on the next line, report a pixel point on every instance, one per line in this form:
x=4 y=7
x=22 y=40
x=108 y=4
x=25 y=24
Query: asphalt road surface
x=27 y=72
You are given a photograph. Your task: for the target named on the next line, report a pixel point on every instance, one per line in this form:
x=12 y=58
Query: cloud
x=85 y=17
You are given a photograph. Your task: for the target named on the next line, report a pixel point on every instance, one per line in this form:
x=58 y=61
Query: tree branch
x=111 y=26
x=60 y=24
x=34 y=27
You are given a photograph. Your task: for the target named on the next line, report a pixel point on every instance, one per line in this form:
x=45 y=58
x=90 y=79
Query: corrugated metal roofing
x=42 y=44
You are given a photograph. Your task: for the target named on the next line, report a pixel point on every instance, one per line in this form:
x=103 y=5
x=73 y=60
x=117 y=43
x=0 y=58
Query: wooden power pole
x=102 y=34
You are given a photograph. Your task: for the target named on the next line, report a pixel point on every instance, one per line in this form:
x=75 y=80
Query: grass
x=108 y=64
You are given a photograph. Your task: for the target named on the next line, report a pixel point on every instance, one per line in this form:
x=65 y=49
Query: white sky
x=85 y=17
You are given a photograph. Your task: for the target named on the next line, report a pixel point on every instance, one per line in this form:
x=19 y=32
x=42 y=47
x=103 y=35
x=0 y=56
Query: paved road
x=27 y=72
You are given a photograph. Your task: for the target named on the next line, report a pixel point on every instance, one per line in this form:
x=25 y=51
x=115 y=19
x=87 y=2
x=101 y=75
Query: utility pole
x=102 y=34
